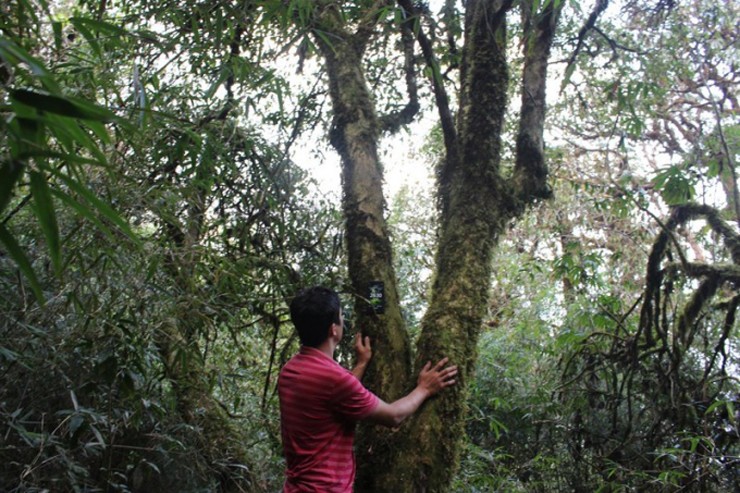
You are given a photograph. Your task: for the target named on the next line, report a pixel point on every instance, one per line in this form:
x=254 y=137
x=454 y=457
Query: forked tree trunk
x=477 y=204
x=474 y=212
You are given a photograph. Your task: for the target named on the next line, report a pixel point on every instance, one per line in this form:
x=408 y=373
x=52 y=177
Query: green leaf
x=99 y=130
x=27 y=136
x=674 y=186
x=44 y=210
x=68 y=158
x=9 y=355
x=88 y=35
x=16 y=253
x=98 y=436
x=324 y=36
x=103 y=208
x=27 y=8
x=224 y=74
x=62 y=105
x=84 y=211
x=71 y=134
x=10 y=173
x=56 y=26
x=15 y=55
x=99 y=26
x=569 y=70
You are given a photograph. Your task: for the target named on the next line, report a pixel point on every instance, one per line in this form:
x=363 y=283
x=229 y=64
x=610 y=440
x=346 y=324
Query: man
x=320 y=402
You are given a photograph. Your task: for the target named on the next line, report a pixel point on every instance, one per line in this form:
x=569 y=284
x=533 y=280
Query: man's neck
x=327 y=347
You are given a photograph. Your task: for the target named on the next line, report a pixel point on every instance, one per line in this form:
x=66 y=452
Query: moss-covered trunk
x=473 y=217
x=355 y=135
x=478 y=201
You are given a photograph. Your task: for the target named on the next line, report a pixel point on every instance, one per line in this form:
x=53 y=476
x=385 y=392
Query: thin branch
x=616 y=46
x=590 y=24
x=442 y=100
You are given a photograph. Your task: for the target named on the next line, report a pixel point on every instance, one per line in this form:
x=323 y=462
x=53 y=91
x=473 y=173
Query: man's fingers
x=441 y=363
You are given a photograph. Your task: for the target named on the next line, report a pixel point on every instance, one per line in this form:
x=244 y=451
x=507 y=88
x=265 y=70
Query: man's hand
x=362 y=349
x=364 y=354
x=433 y=379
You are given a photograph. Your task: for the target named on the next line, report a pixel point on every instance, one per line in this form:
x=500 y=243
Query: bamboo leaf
x=569 y=70
x=15 y=55
x=62 y=105
x=84 y=211
x=67 y=158
x=16 y=253
x=71 y=134
x=88 y=35
x=44 y=210
x=27 y=137
x=100 y=26
x=224 y=74
x=98 y=204
x=56 y=26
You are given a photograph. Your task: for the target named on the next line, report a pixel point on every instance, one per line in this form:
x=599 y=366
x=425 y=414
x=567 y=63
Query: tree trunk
x=355 y=135
x=474 y=205
x=477 y=202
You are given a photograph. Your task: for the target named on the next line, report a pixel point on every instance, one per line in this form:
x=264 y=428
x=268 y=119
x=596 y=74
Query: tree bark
x=477 y=202
x=355 y=135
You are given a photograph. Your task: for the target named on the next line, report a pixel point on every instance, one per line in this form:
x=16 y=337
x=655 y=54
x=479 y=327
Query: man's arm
x=431 y=380
x=364 y=354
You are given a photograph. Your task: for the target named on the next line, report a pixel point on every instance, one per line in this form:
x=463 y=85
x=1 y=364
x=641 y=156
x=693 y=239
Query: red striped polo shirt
x=320 y=402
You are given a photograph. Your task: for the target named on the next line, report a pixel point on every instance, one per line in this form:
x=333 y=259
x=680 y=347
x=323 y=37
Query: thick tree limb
x=393 y=122
x=656 y=275
x=530 y=171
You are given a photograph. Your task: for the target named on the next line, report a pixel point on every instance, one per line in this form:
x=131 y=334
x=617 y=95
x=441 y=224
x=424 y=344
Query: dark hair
x=312 y=311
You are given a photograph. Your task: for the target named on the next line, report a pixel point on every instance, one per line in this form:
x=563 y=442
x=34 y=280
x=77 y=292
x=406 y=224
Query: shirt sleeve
x=351 y=399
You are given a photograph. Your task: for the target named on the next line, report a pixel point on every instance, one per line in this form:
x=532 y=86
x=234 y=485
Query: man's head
x=313 y=311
